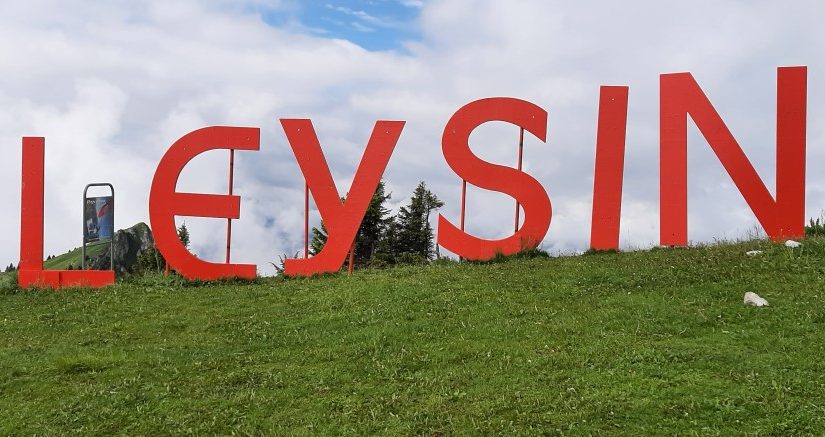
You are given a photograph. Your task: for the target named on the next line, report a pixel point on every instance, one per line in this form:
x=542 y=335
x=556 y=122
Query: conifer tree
x=318 y=240
x=386 y=252
x=372 y=226
x=414 y=234
x=183 y=235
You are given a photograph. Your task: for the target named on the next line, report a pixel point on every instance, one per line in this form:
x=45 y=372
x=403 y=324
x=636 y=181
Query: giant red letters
x=165 y=203
x=341 y=219
x=681 y=96
x=526 y=190
x=30 y=270
x=608 y=176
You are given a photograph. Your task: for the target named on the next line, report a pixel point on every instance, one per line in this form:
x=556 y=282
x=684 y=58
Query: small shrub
x=523 y=254
x=8 y=283
x=279 y=267
x=411 y=259
x=600 y=251
x=815 y=227
x=443 y=261
x=149 y=261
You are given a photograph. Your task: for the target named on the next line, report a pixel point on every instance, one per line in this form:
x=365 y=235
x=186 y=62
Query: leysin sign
x=781 y=216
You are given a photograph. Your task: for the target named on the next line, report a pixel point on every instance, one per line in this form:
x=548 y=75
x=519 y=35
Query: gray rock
x=754 y=299
x=128 y=245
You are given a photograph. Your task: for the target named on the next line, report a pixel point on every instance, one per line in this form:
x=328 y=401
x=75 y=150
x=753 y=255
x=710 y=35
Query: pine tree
x=183 y=235
x=415 y=235
x=319 y=239
x=372 y=226
x=386 y=252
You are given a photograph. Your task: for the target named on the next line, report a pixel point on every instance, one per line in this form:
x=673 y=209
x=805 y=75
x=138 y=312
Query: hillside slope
x=72 y=258
x=631 y=343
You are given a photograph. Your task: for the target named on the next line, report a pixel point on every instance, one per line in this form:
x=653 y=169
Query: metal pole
x=83 y=224
x=229 y=220
x=463 y=206
x=463 y=202
x=520 y=154
x=306 y=220
x=112 y=240
x=351 y=258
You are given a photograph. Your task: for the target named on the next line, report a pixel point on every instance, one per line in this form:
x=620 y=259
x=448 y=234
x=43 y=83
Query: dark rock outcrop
x=128 y=245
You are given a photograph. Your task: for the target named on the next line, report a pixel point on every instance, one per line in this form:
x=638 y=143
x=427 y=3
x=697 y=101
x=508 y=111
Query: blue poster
x=99 y=218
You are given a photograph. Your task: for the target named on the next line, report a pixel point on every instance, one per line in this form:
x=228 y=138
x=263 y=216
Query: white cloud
x=123 y=80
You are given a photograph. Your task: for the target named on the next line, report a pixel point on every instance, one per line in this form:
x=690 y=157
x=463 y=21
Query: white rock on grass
x=792 y=244
x=752 y=298
x=753 y=252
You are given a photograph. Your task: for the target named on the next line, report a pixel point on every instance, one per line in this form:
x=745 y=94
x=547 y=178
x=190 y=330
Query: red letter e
x=165 y=203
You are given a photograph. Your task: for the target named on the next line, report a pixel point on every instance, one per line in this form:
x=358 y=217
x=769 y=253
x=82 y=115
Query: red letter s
x=519 y=185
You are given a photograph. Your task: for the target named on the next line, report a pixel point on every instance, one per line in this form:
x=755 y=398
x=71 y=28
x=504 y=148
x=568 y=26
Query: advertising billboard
x=98 y=218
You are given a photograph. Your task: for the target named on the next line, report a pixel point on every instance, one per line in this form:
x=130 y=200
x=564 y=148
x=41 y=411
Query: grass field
x=636 y=343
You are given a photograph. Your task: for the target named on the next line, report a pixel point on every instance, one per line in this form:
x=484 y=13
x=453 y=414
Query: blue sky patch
x=372 y=24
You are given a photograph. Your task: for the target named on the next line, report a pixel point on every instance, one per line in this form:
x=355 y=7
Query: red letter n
x=781 y=218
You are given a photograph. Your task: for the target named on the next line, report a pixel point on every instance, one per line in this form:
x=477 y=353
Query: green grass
x=636 y=343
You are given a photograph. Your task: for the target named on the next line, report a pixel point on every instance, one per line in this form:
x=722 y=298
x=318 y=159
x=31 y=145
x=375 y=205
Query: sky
x=111 y=85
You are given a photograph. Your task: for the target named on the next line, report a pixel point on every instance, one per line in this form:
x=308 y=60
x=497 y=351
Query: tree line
x=384 y=239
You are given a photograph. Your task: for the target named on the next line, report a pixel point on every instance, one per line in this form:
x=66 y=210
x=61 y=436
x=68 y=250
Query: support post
x=463 y=203
x=520 y=159
x=306 y=220
x=351 y=258
x=229 y=220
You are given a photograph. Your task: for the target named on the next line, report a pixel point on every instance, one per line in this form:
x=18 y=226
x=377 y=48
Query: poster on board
x=98 y=218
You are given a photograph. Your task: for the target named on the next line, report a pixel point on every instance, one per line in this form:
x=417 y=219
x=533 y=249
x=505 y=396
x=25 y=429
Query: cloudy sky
x=111 y=85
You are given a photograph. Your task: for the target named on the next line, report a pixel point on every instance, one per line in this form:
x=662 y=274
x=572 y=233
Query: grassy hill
x=654 y=342
x=73 y=257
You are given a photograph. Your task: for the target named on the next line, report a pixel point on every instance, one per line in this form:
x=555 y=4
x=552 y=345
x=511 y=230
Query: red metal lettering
x=609 y=173
x=681 y=96
x=342 y=219
x=30 y=272
x=519 y=185
x=165 y=202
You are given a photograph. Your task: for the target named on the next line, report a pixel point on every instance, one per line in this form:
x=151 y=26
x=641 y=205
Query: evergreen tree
x=414 y=234
x=386 y=252
x=183 y=235
x=319 y=239
x=372 y=226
